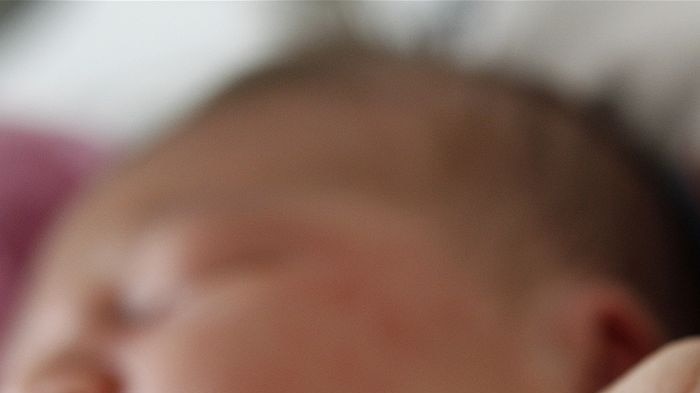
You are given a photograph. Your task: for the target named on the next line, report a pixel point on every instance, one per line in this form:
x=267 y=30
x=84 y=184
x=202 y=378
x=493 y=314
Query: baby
x=348 y=221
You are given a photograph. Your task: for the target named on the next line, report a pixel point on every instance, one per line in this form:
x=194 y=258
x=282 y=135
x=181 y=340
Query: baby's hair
x=594 y=192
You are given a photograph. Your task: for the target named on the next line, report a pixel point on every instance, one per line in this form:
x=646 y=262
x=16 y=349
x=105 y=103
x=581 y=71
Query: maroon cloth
x=38 y=174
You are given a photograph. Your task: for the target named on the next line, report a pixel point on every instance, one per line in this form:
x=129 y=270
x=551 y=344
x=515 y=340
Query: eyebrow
x=251 y=244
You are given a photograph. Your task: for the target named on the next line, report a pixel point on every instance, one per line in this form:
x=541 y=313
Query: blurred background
x=122 y=72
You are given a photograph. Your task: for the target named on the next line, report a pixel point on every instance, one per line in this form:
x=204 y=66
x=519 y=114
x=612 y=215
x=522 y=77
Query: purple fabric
x=38 y=174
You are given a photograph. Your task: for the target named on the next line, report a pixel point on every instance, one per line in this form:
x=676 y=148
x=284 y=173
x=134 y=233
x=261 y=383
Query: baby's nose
x=74 y=377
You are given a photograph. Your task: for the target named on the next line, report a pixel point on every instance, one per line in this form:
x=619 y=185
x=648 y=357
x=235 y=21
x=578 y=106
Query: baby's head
x=349 y=221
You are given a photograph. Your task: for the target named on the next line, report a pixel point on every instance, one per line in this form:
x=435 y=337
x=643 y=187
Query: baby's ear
x=601 y=329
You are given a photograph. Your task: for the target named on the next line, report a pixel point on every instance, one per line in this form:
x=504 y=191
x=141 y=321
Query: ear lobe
x=607 y=331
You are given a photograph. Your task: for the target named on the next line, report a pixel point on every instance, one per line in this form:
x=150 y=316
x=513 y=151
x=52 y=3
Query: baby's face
x=240 y=262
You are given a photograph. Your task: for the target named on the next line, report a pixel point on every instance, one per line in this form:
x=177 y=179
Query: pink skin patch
x=40 y=172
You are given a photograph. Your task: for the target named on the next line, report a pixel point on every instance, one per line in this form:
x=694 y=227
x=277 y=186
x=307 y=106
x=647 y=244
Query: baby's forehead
x=405 y=126
x=408 y=132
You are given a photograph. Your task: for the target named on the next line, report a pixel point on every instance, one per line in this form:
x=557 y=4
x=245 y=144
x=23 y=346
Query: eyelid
x=147 y=292
x=170 y=260
x=175 y=257
x=123 y=313
x=140 y=312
